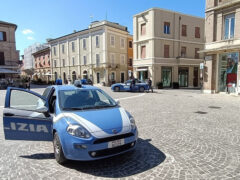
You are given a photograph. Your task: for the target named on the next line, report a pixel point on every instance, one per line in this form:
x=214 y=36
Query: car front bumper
x=92 y=149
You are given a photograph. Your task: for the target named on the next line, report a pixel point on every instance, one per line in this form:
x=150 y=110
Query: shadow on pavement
x=39 y=156
x=144 y=157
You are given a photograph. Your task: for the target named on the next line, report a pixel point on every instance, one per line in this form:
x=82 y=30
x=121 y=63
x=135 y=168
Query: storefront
x=228 y=69
x=183 y=76
x=142 y=73
x=166 y=77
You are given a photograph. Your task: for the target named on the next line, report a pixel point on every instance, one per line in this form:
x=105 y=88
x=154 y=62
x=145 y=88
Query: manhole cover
x=201 y=112
x=214 y=107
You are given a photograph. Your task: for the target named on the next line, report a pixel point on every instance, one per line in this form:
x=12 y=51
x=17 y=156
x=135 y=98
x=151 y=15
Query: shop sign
x=208 y=58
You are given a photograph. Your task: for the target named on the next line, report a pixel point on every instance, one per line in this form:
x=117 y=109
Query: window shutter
x=197 y=32
x=166 y=51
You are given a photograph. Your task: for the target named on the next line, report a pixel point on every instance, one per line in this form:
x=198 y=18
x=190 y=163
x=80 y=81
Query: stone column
x=190 y=76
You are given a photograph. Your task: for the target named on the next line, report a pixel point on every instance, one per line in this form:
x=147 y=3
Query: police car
x=83 y=122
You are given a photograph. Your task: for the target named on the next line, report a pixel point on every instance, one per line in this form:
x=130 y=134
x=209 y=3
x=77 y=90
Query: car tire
x=141 y=89
x=117 y=89
x=58 y=152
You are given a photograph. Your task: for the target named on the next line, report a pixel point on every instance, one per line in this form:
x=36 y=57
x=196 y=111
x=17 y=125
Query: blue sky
x=38 y=20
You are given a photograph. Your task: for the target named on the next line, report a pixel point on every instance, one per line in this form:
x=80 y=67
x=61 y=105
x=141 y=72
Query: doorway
x=98 y=77
x=195 y=77
x=122 y=77
x=166 y=77
x=183 y=77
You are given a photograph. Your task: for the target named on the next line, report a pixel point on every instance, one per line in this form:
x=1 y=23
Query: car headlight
x=78 y=131
x=133 y=124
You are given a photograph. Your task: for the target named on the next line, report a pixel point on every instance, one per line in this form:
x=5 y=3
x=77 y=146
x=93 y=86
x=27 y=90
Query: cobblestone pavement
x=183 y=135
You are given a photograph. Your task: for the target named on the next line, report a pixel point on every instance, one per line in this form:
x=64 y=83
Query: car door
x=26 y=116
x=127 y=85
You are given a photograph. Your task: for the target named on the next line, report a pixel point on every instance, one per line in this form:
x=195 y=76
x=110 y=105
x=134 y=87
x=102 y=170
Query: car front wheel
x=116 y=89
x=58 y=152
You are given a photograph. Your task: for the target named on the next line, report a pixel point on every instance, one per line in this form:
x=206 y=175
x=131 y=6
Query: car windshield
x=81 y=99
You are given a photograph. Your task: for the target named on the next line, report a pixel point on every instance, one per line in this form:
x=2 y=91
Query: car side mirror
x=117 y=101
x=44 y=110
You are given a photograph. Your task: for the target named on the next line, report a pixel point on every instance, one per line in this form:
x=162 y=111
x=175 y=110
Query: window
x=122 y=43
x=130 y=62
x=183 y=51
x=166 y=28
x=122 y=59
x=63 y=48
x=143 y=29
x=229 y=26
x=3 y=36
x=97 y=41
x=84 y=44
x=196 y=53
x=112 y=41
x=97 y=59
x=73 y=47
x=84 y=60
x=166 y=51
x=112 y=76
x=143 y=52
x=2 y=59
x=73 y=61
x=197 y=32
x=55 y=63
x=184 y=30
x=54 y=51
x=113 y=59
x=130 y=44
x=63 y=62
x=25 y=101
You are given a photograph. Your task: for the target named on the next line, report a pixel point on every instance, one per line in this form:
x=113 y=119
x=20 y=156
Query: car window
x=84 y=99
x=25 y=101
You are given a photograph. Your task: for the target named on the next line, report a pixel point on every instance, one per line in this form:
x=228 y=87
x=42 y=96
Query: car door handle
x=8 y=114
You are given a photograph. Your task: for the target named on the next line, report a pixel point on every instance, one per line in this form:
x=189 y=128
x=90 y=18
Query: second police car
x=83 y=122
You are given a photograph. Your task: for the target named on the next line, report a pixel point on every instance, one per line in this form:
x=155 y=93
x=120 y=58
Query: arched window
x=85 y=75
x=74 y=76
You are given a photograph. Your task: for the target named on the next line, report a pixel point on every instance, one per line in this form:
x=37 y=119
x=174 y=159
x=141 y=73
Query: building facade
x=222 y=70
x=98 y=53
x=9 y=56
x=166 y=46
x=42 y=65
x=29 y=61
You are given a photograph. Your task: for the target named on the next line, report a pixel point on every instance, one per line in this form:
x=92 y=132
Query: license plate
x=115 y=143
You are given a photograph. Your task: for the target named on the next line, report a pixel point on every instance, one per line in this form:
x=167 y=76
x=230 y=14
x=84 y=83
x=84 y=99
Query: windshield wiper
x=73 y=108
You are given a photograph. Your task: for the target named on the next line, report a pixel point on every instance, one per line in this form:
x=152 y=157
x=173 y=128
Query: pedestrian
x=150 y=85
x=28 y=83
x=59 y=81
x=133 y=83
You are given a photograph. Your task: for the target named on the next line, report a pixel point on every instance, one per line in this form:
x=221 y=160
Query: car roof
x=72 y=87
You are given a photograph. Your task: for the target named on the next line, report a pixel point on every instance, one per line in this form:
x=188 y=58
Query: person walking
x=59 y=81
x=150 y=85
x=28 y=82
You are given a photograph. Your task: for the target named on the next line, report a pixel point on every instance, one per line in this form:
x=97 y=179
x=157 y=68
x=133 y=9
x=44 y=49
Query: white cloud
x=27 y=31
x=30 y=38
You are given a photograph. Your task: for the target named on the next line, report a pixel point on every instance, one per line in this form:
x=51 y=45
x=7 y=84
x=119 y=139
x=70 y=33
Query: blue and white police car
x=83 y=122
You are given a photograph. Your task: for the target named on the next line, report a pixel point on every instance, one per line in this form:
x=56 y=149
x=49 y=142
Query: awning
x=7 y=71
x=142 y=69
x=49 y=74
